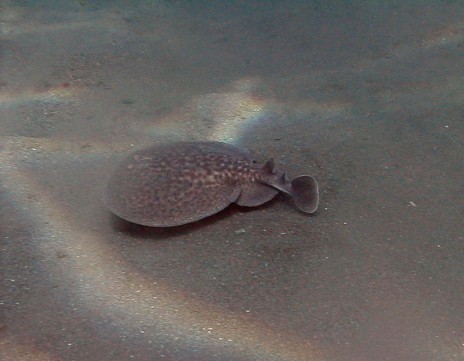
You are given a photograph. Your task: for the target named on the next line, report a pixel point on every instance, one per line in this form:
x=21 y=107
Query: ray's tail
x=305 y=193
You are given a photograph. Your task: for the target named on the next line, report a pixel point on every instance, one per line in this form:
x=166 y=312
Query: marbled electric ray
x=173 y=184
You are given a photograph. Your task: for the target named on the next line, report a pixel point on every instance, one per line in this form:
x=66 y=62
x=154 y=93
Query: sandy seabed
x=368 y=97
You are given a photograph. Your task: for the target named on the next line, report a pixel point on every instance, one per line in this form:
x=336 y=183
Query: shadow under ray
x=161 y=233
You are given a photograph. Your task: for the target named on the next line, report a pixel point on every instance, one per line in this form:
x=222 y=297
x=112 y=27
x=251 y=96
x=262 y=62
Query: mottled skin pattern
x=179 y=183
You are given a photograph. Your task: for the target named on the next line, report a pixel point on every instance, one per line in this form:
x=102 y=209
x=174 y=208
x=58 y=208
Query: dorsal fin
x=270 y=166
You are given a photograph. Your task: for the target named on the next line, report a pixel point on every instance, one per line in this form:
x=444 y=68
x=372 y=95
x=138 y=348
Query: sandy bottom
x=367 y=97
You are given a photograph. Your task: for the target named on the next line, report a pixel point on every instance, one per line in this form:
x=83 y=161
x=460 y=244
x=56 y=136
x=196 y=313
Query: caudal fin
x=305 y=192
